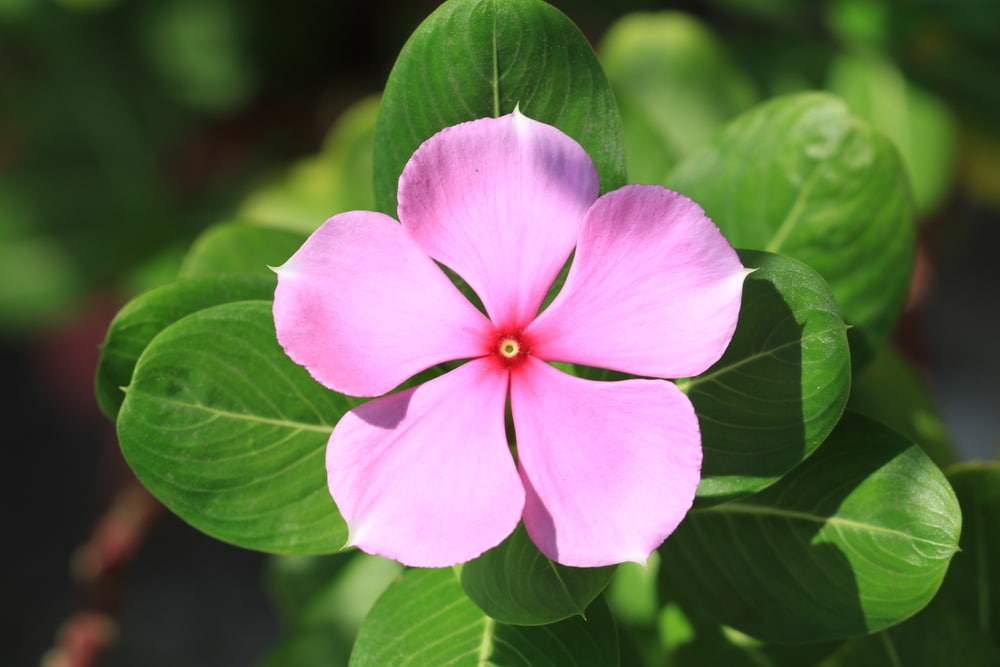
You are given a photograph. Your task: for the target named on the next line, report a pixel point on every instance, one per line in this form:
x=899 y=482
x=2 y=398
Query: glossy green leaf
x=801 y=176
x=426 y=620
x=856 y=538
x=961 y=625
x=782 y=384
x=230 y=434
x=675 y=85
x=338 y=179
x=240 y=248
x=141 y=319
x=514 y=583
x=476 y=58
x=890 y=391
x=918 y=123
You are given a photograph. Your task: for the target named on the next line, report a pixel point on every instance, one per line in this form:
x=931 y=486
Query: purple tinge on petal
x=609 y=468
x=363 y=308
x=654 y=289
x=425 y=476
x=500 y=201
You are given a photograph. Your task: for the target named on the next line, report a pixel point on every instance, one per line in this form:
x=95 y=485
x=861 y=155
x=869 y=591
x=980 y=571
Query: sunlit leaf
x=425 y=620
x=229 y=433
x=240 y=248
x=855 y=539
x=141 y=319
x=477 y=58
x=800 y=176
x=780 y=387
x=515 y=583
x=961 y=625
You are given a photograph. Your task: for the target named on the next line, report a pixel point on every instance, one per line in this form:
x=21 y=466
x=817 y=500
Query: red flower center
x=511 y=348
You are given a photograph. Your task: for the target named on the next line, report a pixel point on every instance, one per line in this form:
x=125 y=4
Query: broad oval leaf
x=514 y=583
x=918 y=123
x=425 y=620
x=675 y=85
x=476 y=58
x=236 y=247
x=230 y=434
x=801 y=176
x=855 y=539
x=961 y=625
x=782 y=384
x=142 y=318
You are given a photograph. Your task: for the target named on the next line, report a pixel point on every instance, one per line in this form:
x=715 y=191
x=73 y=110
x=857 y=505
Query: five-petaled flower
x=603 y=471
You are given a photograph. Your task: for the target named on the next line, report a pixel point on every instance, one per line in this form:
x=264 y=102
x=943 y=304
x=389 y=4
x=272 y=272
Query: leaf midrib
x=763 y=510
x=695 y=381
x=794 y=214
x=496 y=68
x=486 y=644
x=284 y=423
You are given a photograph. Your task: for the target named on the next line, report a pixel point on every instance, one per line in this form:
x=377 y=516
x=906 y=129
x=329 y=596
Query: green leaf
x=917 y=122
x=141 y=319
x=855 y=539
x=891 y=392
x=801 y=176
x=961 y=625
x=338 y=179
x=235 y=247
x=425 y=620
x=229 y=433
x=782 y=384
x=675 y=85
x=476 y=58
x=514 y=583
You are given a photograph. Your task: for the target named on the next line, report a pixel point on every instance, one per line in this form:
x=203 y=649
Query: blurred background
x=128 y=126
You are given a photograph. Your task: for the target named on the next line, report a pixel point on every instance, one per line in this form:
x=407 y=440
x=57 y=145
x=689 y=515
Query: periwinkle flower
x=603 y=472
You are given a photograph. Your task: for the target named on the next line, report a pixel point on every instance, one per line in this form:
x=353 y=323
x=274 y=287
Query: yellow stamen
x=509 y=348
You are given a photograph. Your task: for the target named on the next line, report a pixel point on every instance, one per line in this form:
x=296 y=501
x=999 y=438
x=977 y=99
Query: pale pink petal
x=500 y=201
x=363 y=308
x=654 y=289
x=609 y=468
x=425 y=476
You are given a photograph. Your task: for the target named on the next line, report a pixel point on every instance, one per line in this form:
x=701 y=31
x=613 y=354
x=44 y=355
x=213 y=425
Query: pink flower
x=603 y=471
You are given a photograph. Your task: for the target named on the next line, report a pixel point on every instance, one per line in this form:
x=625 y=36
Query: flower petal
x=363 y=308
x=425 y=476
x=609 y=468
x=500 y=201
x=654 y=289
